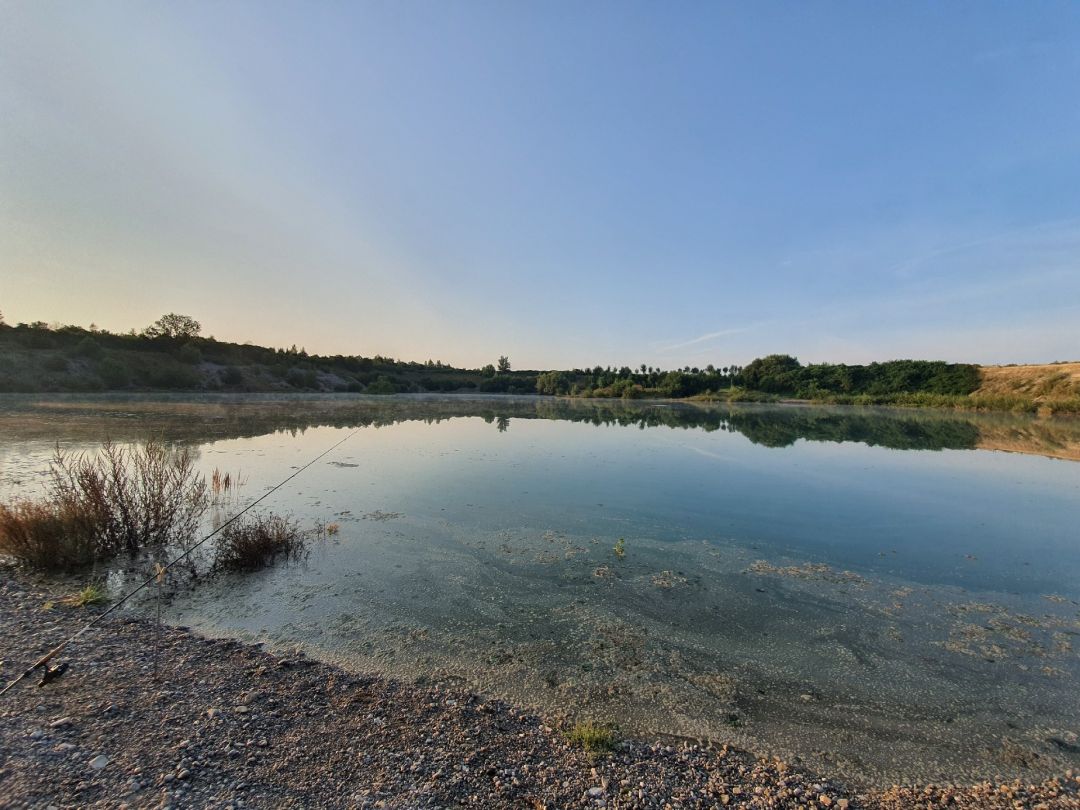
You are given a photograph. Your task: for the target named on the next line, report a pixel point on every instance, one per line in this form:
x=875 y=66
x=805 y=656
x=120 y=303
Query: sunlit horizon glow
x=568 y=185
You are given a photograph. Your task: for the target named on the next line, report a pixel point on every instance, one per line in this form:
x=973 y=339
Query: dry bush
x=97 y=506
x=144 y=496
x=257 y=541
x=46 y=536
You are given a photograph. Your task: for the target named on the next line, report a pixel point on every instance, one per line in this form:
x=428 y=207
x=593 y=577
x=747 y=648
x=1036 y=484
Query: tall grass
x=100 y=505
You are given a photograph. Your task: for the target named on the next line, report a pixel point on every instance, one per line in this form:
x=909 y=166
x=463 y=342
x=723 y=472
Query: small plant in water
x=333 y=528
x=594 y=738
x=620 y=548
x=224 y=485
x=92 y=594
x=256 y=542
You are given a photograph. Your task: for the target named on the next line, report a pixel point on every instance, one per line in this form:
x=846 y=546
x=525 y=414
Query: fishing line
x=160 y=572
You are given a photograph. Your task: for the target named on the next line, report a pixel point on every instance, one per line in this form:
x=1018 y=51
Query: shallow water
x=872 y=592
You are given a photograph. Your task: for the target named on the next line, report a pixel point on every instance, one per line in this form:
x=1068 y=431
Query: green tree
x=174 y=326
x=504 y=364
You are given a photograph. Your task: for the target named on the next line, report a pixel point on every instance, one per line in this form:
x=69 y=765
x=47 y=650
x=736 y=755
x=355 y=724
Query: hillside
x=39 y=358
x=1052 y=382
x=172 y=356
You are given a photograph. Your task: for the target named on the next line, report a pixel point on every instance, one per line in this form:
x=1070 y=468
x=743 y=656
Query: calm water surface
x=883 y=595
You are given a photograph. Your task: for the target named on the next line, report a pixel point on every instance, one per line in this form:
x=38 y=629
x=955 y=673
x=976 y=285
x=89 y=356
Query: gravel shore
x=222 y=724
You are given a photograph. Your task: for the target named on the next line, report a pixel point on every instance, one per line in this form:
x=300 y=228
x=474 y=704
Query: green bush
x=189 y=353
x=87 y=347
x=384 y=384
x=114 y=373
x=172 y=374
x=56 y=363
x=302 y=378
x=232 y=376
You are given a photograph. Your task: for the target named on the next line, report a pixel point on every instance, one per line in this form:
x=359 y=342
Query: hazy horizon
x=567 y=185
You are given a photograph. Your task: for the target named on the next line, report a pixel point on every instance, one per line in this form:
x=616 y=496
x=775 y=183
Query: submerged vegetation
x=172 y=355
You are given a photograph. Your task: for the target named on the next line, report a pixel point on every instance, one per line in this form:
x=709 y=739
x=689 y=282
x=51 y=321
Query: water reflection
x=197 y=420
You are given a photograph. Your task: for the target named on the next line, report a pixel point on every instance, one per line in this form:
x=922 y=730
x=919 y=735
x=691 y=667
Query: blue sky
x=566 y=183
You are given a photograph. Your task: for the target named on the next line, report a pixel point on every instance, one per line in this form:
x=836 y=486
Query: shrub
x=144 y=496
x=384 y=385
x=46 y=536
x=173 y=374
x=99 y=506
x=56 y=363
x=114 y=373
x=302 y=378
x=87 y=347
x=232 y=376
x=189 y=353
x=256 y=542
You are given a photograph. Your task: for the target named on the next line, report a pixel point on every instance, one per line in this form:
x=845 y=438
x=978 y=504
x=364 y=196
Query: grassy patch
x=92 y=594
x=256 y=542
x=592 y=737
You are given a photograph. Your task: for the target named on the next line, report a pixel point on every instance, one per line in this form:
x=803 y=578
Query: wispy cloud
x=707 y=337
x=1052 y=227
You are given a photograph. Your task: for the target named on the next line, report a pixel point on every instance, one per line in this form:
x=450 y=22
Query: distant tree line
x=172 y=354
x=778 y=374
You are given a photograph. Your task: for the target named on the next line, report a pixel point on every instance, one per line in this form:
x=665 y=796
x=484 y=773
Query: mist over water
x=875 y=593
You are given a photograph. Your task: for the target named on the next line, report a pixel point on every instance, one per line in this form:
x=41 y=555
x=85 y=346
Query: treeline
x=784 y=375
x=171 y=354
x=778 y=375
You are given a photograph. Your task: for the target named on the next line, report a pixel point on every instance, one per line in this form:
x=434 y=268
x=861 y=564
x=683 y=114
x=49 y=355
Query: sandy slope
x=1042 y=382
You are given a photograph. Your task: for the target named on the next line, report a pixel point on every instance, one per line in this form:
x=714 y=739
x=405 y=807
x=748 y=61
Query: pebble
x=341 y=740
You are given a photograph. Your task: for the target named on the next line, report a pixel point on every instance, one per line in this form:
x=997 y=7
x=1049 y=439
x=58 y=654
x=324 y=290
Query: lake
x=883 y=595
